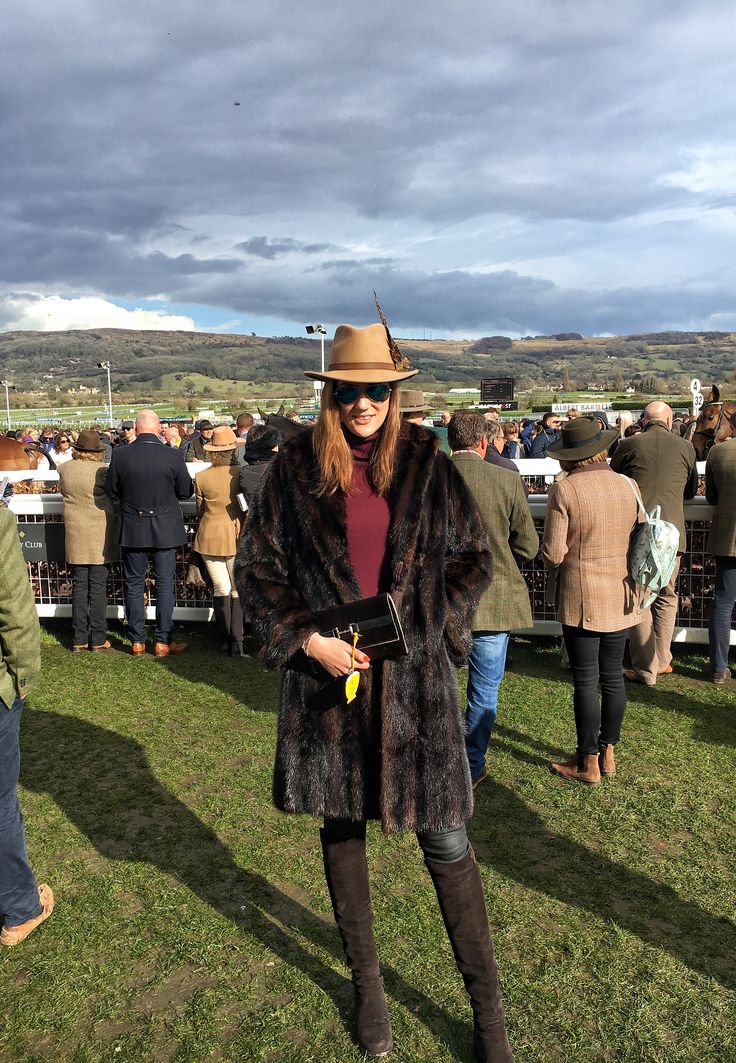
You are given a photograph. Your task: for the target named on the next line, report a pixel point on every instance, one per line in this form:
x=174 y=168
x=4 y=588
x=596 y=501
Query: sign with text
x=42 y=542
x=496 y=389
x=581 y=407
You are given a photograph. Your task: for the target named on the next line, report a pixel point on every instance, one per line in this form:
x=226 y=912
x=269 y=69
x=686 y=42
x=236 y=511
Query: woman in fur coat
x=364 y=505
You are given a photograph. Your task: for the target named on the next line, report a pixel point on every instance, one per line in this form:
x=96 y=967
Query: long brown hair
x=331 y=449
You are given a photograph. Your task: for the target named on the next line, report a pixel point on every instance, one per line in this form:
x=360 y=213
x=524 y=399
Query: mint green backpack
x=652 y=552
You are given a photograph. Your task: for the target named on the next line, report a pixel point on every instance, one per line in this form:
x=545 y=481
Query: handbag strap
x=639 y=502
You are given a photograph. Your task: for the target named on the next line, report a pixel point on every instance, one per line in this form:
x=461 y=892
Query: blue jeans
x=719 y=628
x=19 y=898
x=486 y=665
x=135 y=569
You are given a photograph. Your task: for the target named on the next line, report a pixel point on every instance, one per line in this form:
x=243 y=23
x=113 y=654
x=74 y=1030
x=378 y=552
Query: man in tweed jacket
x=505 y=605
x=720 y=491
x=23 y=904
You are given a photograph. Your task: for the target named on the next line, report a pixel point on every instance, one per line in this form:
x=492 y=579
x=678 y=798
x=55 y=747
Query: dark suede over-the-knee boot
x=236 y=627
x=463 y=906
x=346 y=871
x=221 y=609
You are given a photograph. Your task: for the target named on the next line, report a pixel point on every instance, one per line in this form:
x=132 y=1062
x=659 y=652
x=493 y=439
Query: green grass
x=193 y=923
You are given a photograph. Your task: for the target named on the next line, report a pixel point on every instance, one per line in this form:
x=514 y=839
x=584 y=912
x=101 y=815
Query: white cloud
x=711 y=170
x=53 y=313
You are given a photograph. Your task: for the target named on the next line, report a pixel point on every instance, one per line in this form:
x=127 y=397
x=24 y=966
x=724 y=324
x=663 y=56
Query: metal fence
x=51 y=580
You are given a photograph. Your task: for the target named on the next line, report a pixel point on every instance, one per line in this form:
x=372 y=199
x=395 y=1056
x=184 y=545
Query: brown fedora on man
x=411 y=401
x=363 y=356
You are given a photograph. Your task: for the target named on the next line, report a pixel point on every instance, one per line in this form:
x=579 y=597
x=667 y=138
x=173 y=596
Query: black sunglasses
x=347 y=394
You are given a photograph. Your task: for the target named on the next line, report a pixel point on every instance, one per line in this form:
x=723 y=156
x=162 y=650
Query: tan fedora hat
x=223 y=438
x=363 y=356
x=412 y=401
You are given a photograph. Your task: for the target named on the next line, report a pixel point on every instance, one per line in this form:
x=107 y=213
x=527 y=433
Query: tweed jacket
x=221 y=518
x=720 y=491
x=664 y=467
x=20 y=642
x=89 y=514
x=149 y=480
x=591 y=514
x=501 y=499
x=397 y=753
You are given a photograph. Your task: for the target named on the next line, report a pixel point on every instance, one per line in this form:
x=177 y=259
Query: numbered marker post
x=697 y=397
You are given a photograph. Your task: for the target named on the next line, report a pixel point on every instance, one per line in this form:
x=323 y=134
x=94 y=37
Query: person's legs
x=643 y=649
x=613 y=688
x=135 y=566
x=19 y=897
x=583 y=648
x=97 y=604
x=454 y=872
x=719 y=628
x=486 y=665
x=346 y=872
x=80 y=605
x=164 y=570
x=664 y=617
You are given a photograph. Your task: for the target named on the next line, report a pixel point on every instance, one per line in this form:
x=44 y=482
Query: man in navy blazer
x=149 y=480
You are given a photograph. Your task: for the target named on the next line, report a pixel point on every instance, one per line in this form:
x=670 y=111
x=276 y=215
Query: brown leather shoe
x=138 y=649
x=163 y=649
x=104 y=646
x=79 y=649
x=13 y=935
x=606 y=760
x=581 y=768
x=633 y=677
x=666 y=671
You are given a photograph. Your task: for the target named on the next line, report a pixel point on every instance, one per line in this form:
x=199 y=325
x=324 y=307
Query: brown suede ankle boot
x=463 y=906
x=583 y=767
x=606 y=759
x=346 y=871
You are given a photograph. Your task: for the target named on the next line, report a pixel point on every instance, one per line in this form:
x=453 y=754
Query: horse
x=716 y=423
x=288 y=429
x=16 y=456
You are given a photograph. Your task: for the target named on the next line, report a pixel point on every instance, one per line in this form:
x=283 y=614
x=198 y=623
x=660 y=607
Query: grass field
x=193 y=923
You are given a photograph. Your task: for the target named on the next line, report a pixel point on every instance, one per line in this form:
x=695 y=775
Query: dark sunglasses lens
x=346 y=393
x=378 y=392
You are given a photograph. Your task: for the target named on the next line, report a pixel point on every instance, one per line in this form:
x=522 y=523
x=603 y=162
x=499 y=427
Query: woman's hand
x=336 y=656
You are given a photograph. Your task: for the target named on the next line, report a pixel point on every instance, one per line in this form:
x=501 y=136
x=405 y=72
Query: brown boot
x=463 y=906
x=606 y=759
x=346 y=871
x=582 y=768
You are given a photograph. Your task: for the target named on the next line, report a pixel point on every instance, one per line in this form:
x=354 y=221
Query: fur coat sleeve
x=397 y=753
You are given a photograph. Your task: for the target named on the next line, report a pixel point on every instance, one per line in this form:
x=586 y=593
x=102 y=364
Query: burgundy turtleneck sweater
x=367 y=519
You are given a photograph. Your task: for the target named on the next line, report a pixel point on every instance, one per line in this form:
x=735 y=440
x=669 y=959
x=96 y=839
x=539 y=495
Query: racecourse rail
x=51 y=579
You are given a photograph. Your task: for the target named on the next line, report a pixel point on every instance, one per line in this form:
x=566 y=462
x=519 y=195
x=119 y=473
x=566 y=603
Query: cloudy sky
x=517 y=167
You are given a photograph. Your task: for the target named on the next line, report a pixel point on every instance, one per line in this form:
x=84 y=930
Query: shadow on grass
x=519 y=846
x=103 y=783
x=714 y=722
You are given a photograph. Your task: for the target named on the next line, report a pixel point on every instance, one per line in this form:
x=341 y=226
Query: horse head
x=715 y=423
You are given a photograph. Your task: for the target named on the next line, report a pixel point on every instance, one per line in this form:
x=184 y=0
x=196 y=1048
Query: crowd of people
x=361 y=505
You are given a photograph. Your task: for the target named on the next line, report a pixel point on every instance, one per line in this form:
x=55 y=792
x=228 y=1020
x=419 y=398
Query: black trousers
x=442 y=847
x=135 y=567
x=597 y=658
x=89 y=604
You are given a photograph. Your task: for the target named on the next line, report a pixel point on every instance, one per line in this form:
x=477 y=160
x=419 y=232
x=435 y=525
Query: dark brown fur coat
x=397 y=753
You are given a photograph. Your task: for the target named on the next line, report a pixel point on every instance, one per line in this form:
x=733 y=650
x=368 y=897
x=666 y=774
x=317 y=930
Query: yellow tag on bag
x=353 y=678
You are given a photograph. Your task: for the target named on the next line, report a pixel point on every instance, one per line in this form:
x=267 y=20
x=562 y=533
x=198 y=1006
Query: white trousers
x=220 y=571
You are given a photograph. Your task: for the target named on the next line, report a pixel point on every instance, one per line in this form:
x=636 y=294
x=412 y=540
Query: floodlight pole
x=106 y=367
x=6 y=385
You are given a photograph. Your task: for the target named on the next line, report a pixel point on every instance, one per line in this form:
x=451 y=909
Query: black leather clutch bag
x=374 y=619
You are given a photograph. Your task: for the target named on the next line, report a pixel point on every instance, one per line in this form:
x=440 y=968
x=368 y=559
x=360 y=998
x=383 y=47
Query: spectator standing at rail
x=664 y=467
x=549 y=433
x=505 y=605
x=720 y=491
x=195 y=450
x=23 y=904
x=89 y=529
x=258 y=453
x=513 y=448
x=149 y=480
